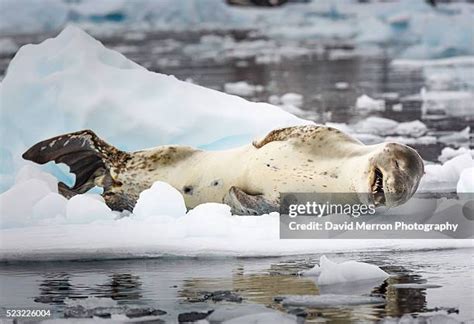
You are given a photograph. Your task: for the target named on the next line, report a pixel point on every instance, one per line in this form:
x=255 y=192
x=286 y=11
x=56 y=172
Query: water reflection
x=56 y=287
x=121 y=286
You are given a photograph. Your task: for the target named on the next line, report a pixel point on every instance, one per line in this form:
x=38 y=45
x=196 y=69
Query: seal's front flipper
x=243 y=203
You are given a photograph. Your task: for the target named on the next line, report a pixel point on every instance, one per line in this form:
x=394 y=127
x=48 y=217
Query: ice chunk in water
x=331 y=273
x=290 y=98
x=242 y=88
x=466 y=181
x=448 y=153
x=376 y=125
x=365 y=102
x=349 y=271
x=329 y=300
x=414 y=128
x=445 y=177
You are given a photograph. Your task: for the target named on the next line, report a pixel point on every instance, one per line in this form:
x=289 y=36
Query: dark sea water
x=176 y=285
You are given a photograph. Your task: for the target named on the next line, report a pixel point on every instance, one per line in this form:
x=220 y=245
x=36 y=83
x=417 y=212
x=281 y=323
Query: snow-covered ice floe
x=38 y=224
x=72 y=82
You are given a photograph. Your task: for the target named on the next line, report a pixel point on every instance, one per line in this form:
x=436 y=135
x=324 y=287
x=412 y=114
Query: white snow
x=160 y=199
x=365 y=102
x=242 y=88
x=330 y=273
x=466 y=181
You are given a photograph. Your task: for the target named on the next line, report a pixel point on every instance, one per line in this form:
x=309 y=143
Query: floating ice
x=365 y=102
x=448 y=153
x=38 y=223
x=329 y=300
x=450 y=103
x=445 y=177
x=423 y=140
x=242 y=88
x=341 y=85
x=263 y=318
x=466 y=181
x=457 y=138
x=349 y=271
x=376 y=125
x=414 y=128
x=291 y=98
x=313 y=272
x=414 y=286
x=452 y=61
x=229 y=312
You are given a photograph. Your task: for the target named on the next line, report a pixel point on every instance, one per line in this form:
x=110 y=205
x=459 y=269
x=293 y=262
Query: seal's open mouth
x=378 y=194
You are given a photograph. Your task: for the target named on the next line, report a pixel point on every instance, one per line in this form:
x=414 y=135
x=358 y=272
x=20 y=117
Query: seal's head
x=394 y=171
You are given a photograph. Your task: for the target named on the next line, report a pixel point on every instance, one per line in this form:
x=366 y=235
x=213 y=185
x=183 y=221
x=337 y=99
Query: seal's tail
x=88 y=157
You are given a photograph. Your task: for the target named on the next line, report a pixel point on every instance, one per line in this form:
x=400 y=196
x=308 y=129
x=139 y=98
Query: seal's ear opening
x=87 y=156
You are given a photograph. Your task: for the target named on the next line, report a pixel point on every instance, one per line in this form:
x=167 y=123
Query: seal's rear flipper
x=243 y=203
x=87 y=156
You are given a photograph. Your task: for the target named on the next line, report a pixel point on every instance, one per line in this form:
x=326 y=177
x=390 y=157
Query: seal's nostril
x=396 y=164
